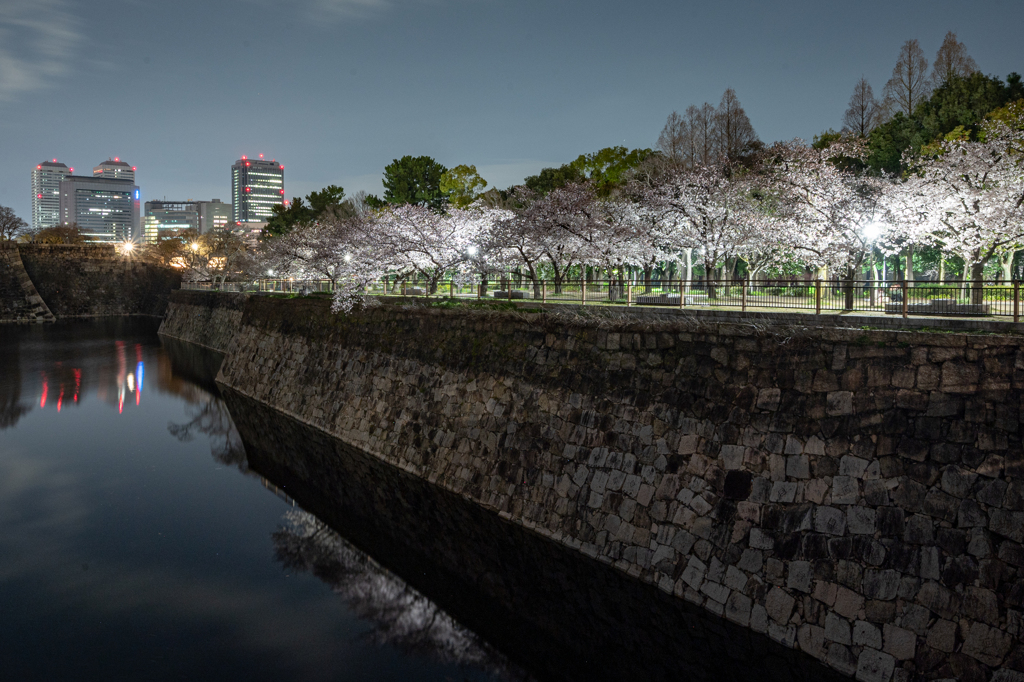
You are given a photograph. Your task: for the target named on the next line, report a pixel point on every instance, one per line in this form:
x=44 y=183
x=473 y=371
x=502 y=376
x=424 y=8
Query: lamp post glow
x=873 y=231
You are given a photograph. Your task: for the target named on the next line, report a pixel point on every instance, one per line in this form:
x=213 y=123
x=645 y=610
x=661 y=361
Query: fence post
x=817 y=297
x=583 y=289
x=906 y=292
x=743 y=283
x=1016 y=301
x=682 y=293
x=629 y=294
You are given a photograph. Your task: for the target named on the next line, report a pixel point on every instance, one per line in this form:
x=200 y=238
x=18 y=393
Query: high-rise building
x=167 y=218
x=256 y=187
x=116 y=170
x=213 y=215
x=46 y=178
x=105 y=209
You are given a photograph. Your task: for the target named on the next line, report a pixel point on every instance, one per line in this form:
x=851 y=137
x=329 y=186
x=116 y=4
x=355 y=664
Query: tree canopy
x=960 y=101
x=606 y=168
x=462 y=184
x=287 y=217
x=415 y=180
x=11 y=226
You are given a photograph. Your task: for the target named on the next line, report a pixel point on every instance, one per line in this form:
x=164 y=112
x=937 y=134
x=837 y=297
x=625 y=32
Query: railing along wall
x=901 y=297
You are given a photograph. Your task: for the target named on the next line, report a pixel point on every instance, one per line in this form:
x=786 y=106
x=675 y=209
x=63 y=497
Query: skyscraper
x=256 y=187
x=106 y=209
x=46 y=178
x=115 y=170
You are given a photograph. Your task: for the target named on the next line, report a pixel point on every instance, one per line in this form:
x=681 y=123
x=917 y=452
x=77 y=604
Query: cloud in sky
x=331 y=10
x=347 y=7
x=37 y=41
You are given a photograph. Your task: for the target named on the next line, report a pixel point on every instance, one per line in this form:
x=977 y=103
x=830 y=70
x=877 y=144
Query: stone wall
x=19 y=300
x=856 y=495
x=557 y=614
x=96 y=280
x=205 y=318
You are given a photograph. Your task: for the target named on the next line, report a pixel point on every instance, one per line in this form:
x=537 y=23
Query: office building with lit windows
x=105 y=209
x=256 y=187
x=115 y=170
x=168 y=218
x=46 y=179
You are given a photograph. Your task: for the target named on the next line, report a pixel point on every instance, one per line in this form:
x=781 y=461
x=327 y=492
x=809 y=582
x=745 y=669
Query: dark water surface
x=132 y=548
x=154 y=529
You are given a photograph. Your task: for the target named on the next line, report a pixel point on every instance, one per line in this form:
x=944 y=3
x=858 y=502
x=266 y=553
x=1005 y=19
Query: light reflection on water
x=131 y=548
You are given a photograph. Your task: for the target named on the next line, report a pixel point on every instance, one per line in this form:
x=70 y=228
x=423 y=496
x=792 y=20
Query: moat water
x=153 y=528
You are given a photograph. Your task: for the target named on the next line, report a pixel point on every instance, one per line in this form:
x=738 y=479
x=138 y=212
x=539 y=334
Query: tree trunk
x=537 y=294
x=910 y=265
x=977 y=287
x=942 y=268
x=648 y=271
x=851 y=275
x=1006 y=265
x=689 y=266
x=874 y=283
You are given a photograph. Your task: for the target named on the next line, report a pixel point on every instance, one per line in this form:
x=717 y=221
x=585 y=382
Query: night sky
x=336 y=89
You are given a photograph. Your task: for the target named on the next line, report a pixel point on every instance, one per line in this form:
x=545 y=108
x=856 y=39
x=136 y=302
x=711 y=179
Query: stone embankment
x=93 y=280
x=205 y=319
x=19 y=300
x=853 y=494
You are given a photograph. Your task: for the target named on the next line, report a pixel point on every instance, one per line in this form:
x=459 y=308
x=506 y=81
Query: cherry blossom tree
x=319 y=250
x=968 y=195
x=427 y=242
x=828 y=215
x=710 y=207
x=565 y=226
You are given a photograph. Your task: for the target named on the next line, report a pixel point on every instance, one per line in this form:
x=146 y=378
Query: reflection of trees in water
x=401 y=616
x=210 y=417
x=11 y=407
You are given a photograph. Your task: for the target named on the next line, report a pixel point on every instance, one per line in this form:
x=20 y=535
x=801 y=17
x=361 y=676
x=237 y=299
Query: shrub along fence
x=891 y=297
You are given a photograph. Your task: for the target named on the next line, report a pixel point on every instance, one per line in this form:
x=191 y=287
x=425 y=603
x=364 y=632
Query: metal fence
x=902 y=298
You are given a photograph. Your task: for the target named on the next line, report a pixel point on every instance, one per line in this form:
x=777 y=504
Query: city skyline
x=343 y=88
